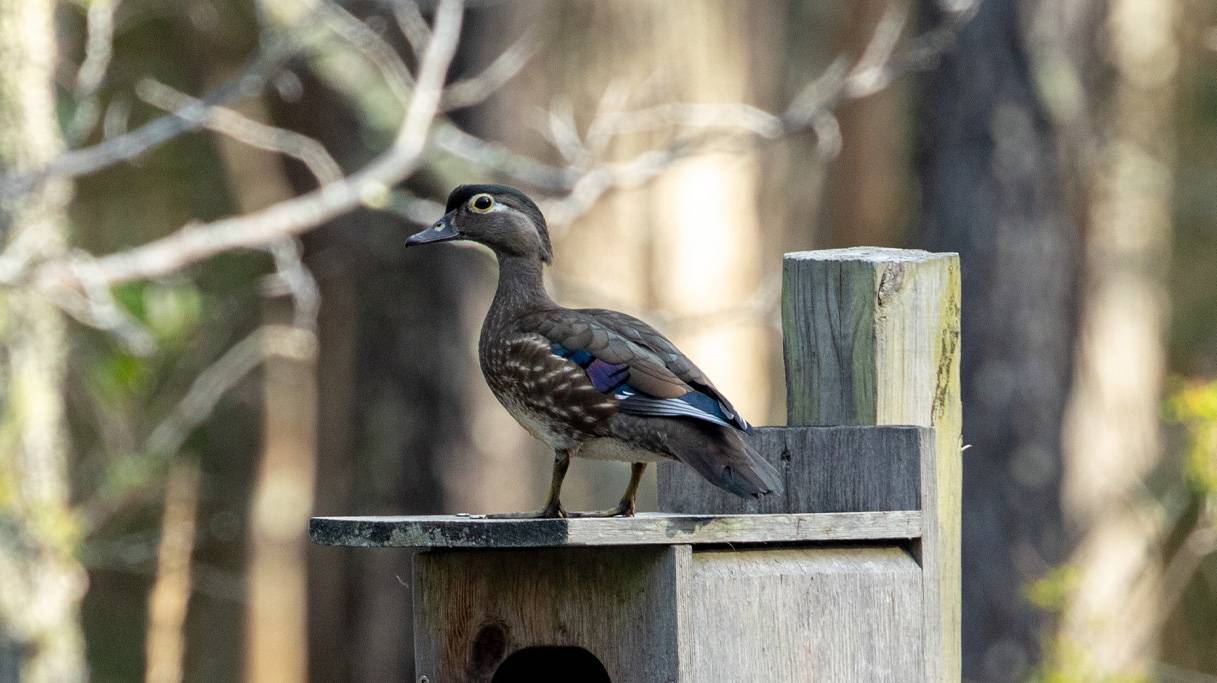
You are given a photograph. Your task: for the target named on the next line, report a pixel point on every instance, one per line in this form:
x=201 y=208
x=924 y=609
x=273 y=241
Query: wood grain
x=871 y=337
x=806 y=614
x=475 y=608
x=824 y=469
x=448 y=531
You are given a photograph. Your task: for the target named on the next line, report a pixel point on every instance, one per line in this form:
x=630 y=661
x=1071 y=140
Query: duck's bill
x=441 y=231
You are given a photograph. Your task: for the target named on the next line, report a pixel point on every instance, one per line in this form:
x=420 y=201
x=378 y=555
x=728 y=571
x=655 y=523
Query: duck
x=590 y=383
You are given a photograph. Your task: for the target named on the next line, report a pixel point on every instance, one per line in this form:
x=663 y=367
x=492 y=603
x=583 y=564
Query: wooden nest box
x=851 y=575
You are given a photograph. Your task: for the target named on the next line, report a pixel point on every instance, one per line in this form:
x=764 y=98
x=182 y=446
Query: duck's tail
x=717 y=453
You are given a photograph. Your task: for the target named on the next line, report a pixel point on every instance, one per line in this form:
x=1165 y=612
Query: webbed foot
x=624 y=509
x=551 y=511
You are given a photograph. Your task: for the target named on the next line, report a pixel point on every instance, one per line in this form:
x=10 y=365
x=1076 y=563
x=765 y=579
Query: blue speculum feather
x=611 y=378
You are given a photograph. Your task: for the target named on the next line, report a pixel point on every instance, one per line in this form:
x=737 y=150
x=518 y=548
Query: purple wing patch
x=607 y=376
x=604 y=376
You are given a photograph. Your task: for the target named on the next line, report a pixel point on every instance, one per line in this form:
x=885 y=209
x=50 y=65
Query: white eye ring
x=486 y=203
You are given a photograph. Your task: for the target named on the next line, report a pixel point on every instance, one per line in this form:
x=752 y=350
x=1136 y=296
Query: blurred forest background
x=171 y=414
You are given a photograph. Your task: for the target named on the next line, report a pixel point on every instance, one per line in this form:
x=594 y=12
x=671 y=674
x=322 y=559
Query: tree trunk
x=991 y=186
x=868 y=196
x=169 y=599
x=1113 y=442
x=704 y=226
x=277 y=604
x=276 y=608
x=40 y=635
x=400 y=403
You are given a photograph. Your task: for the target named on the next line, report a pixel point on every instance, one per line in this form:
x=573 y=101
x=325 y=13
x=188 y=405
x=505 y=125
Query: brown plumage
x=591 y=383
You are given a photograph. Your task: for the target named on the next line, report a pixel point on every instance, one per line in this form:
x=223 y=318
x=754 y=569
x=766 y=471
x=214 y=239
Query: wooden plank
x=824 y=469
x=447 y=531
x=871 y=337
x=473 y=609
x=807 y=614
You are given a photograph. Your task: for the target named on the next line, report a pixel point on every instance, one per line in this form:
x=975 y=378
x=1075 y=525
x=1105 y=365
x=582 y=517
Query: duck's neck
x=521 y=288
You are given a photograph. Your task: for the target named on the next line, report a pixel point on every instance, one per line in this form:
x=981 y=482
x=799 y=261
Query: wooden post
x=871 y=337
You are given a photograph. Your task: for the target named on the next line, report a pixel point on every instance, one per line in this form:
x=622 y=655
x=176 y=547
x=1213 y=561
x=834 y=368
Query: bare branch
x=470 y=91
x=697 y=128
x=414 y=209
x=99 y=46
x=294 y=278
x=591 y=186
x=467 y=92
x=219 y=378
x=562 y=132
x=92 y=303
x=816 y=95
x=493 y=155
x=370 y=186
x=828 y=135
x=730 y=117
x=195 y=407
x=700 y=126
x=372 y=46
x=114 y=121
x=870 y=74
x=412 y=25
x=253 y=133
x=158 y=131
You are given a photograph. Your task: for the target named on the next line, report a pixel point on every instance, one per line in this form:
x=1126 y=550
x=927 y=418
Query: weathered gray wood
x=824 y=469
x=872 y=337
x=472 y=609
x=808 y=614
x=674 y=613
x=449 y=531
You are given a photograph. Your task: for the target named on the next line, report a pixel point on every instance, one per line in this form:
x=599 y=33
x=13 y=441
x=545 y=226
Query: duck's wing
x=673 y=358
x=665 y=403
x=630 y=360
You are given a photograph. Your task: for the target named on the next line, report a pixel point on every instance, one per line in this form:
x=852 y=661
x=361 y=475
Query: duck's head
x=500 y=217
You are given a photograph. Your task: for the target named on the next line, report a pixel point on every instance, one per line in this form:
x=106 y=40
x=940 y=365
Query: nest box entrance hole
x=551 y=664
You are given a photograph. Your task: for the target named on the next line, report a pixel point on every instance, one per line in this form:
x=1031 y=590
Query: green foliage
x=1051 y=592
x=1193 y=407
x=171 y=312
x=1066 y=663
x=120 y=375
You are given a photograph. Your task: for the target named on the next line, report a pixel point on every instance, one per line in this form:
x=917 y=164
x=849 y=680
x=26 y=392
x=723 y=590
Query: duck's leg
x=626 y=507
x=553 y=505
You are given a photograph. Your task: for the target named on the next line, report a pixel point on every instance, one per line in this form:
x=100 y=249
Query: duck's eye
x=481 y=203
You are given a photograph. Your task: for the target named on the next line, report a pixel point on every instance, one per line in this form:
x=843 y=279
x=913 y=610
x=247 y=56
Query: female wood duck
x=589 y=382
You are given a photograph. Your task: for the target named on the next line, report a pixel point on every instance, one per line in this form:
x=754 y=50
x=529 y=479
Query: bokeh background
x=165 y=434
